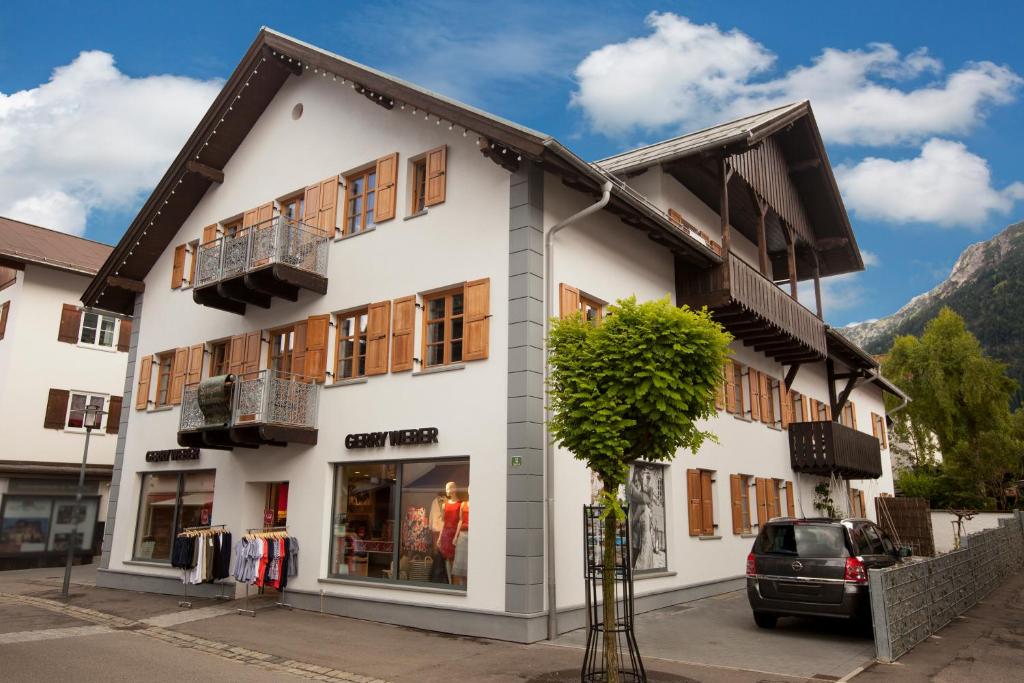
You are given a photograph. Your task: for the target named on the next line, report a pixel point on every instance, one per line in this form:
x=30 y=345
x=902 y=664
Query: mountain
x=986 y=287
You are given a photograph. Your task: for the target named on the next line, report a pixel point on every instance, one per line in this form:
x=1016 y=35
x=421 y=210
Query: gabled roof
x=26 y=243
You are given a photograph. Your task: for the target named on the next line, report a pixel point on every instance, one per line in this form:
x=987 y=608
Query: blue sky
x=920 y=102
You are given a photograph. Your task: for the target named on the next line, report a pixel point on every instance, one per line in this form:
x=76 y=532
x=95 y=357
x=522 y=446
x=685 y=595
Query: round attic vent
x=297 y=111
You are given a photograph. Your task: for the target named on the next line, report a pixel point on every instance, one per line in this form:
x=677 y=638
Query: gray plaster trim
x=439 y=368
x=164 y=585
x=127 y=406
x=524 y=536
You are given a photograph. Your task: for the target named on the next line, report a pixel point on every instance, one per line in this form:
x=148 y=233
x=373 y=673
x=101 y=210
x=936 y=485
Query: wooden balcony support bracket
x=817 y=285
x=791 y=375
x=126 y=284
x=214 y=175
x=791 y=260
x=725 y=174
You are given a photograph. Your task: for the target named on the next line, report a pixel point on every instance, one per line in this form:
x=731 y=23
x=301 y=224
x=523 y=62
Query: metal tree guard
x=631 y=667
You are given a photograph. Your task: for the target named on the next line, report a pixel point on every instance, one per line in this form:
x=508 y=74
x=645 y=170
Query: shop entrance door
x=275 y=511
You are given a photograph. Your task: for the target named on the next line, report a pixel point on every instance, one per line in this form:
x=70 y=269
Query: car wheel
x=765 y=620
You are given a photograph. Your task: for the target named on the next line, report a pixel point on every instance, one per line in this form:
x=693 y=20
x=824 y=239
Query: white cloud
x=945 y=185
x=838 y=293
x=870 y=258
x=91 y=137
x=684 y=75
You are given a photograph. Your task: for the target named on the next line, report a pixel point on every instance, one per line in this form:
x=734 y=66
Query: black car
x=816 y=567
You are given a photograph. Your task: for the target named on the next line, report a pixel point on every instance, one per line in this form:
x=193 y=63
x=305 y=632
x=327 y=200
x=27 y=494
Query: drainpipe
x=549 y=450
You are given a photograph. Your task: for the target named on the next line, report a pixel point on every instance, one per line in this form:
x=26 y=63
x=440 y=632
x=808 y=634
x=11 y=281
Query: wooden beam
x=209 y=172
x=791 y=374
x=126 y=284
x=725 y=173
x=791 y=249
x=501 y=155
x=841 y=401
x=817 y=286
x=826 y=243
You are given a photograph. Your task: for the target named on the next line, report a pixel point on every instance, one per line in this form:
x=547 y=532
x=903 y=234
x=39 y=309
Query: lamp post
x=91 y=419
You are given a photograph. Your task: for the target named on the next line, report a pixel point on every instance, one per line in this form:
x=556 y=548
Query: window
x=193 y=251
x=700 y=493
x=232 y=228
x=219 y=354
x=402 y=521
x=740 y=485
x=774 y=498
x=820 y=412
x=350 y=359
x=282 y=344
x=360 y=194
x=797 y=406
x=419 y=185
x=77 y=407
x=293 y=207
x=97 y=330
x=734 y=392
x=442 y=323
x=805 y=540
x=170 y=502
x=572 y=300
x=591 y=309
x=646 y=498
x=848 y=415
x=163 y=363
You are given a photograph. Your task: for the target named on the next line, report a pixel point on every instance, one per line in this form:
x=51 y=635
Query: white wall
x=943 y=531
x=465 y=238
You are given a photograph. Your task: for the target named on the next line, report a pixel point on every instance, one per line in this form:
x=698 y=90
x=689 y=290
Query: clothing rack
x=251 y=612
x=185 y=602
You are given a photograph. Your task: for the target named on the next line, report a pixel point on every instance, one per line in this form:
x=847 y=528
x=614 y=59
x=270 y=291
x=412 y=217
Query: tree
x=631 y=387
x=963 y=398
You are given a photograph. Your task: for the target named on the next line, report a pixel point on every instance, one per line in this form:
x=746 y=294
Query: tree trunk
x=611 y=645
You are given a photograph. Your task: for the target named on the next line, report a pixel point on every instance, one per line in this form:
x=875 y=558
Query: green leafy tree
x=963 y=398
x=633 y=386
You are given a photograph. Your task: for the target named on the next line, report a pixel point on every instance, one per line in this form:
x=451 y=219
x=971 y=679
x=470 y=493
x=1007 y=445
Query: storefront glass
x=432 y=511
x=170 y=501
x=37 y=524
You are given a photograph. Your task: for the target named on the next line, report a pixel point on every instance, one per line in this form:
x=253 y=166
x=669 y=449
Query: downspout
x=549 y=451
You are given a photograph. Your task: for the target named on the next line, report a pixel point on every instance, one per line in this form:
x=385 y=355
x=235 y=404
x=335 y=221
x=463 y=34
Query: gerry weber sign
x=172 y=454
x=398 y=437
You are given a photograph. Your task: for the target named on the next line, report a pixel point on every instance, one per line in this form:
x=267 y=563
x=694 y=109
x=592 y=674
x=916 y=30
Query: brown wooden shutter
x=476 y=332
x=195 y=365
x=790 y=499
x=806 y=409
x=327 y=217
x=311 y=206
x=299 y=344
x=675 y=216
x=736 y=499
x=755 y=393
x=387 y=194
x=378 y=329
x=145 y=375
x=236 y=354
x=863 y=504
x=853 y=415
x=764 y=394
x=828 y=413
x=209 y=233
x=707 y=510
x=403 y=322
x=114 y=415
x=193 y=247
x=250 y=218
x=883 y=429
x=124 y=335
x=179 y=372
x=56 y=409
x=568 y=300
x=178 y=271
x=70 y=321
x=720 y=390
x=437 y=161
x=730 y=386
x=761 y=495
x=317 y=327
x=3 y=318
x=693 y=496
x=264 y=213
x=786 y=405
x=251 y=359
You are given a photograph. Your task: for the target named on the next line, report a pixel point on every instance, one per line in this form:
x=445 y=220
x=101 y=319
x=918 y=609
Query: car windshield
x=805 y=540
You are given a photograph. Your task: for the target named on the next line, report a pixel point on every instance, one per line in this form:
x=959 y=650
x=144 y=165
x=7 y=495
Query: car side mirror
x=904 y=552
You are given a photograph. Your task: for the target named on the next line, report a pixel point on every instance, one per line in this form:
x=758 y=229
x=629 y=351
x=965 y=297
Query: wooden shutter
x=720 y=390
x=790 y=499
x=124 y=335
x=707 y=510
x=883 y=429
x=568 y=300
x=387 y=176
x=209 y=233
x=70 y=321
x=3 y=318
x=403 y=321
x=730 y=386
x=476 y=330
x=56 y=409
x=736 y=499
x=816 y=415
x=299 y=344
x=675 y=216
x=193 y=248
x=786 y=405
x=771 y=492
x=761 y=494
x=114 y=415
x=828 y=413
x=195 y=365
x=317 y=327
x=250 y=218
x=178 y=271
x=378 y=328
x=311 y=206
x=251 y=359
x=264 y=213
x=327 y=216
x=755 y=393
x=693 y=495
x=765 y=395
x=236 y=354
x=145 y=374
x=863 y=504
x=179 y=372
x=437 y=160
x=853 y=415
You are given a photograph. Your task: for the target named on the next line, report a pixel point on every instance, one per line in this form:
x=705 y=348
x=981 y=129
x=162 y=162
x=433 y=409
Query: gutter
x=549 y=450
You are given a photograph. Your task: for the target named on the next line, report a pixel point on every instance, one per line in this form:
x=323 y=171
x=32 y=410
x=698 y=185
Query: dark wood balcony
x=755 y=310
x=827 y=448
x=275 y=258
x=264 y=408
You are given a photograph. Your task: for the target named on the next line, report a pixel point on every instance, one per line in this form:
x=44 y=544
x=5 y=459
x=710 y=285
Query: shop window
x=402 y=521
x=77 y=406
x=38 y=523
x=443 y=325
x=646 y=498
x=350 y=359
x=170 y=502
x=360 y=196
x=163 y=363
x=97 y=330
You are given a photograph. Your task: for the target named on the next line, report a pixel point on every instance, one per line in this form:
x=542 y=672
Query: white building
x=366 y=261
x=54 y=361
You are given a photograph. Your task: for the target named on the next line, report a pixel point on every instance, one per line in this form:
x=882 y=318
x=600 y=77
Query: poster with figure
x=645 y=493
x=26 y=524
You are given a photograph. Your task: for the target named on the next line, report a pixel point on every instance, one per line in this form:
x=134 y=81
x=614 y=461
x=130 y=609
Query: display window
x=645 y=494
x=36 y=524
x=171 y=501
x=402 y=521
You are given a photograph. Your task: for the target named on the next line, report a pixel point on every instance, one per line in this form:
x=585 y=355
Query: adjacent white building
x=55 y=360
x=339 y=295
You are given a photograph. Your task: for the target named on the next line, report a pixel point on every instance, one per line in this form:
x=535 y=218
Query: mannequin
x=461 y=561
x=452 y=514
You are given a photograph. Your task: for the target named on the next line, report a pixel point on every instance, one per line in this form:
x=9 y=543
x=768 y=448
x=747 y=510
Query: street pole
x=91 y=413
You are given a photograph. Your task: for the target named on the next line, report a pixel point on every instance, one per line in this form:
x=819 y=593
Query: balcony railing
x=248 y=410
x=826 y=448
x=755 y=310
x=273 y=258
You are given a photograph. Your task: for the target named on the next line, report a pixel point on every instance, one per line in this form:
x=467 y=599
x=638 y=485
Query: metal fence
x=279 y=240
x=911 y=601
x=261 y=397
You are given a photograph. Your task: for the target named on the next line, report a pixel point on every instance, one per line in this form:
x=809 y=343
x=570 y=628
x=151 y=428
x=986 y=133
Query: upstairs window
x=443 y=325
x=572 y=300
x=419 y=185
x=97 y=330
x=219 y=355
x=282 y=349
x=351 y=355
x=848 y=415
x=360 y=197
x=77 y=407
x=164 y=362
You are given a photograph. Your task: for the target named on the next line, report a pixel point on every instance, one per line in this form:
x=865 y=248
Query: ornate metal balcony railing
x=265 y=397
x=828 y=447
x=280 y=240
